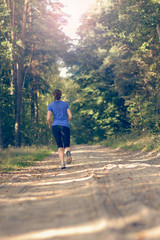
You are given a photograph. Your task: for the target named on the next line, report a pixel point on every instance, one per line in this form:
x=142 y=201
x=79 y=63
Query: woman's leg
x=67 y=149
x=61 y=156
x=57 y=135
x=66 y=141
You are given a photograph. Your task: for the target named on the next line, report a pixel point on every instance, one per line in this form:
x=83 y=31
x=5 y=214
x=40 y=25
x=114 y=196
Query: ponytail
x=57 y=94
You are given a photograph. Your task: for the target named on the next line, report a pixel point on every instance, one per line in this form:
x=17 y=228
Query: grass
x=146 y=142
x=19 y=158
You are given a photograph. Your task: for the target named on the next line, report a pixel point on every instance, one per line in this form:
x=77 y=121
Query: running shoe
x=69 y=157
x=63 y=166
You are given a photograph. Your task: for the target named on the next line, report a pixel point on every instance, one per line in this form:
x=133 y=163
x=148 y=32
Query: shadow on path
x=105 y=194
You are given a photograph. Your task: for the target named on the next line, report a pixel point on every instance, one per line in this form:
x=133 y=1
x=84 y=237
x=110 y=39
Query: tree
x=35 y=42
x=116 y=58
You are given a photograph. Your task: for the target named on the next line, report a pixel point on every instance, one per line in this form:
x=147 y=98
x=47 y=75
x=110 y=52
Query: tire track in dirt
x=105 y=194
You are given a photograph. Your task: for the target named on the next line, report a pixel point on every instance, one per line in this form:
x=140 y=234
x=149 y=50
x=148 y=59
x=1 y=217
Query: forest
x=113 y=70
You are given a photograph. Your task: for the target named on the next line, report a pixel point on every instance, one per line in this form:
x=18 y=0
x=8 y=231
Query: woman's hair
x=57 y=94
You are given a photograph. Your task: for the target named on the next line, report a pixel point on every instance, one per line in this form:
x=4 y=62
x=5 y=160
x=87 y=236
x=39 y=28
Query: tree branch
x=158 y=30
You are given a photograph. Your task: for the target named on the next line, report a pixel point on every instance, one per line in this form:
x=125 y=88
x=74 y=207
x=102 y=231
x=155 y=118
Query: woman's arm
x=49 y=113
x=69 y=114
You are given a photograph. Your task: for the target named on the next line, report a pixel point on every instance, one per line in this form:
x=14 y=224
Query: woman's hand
x=69 y=114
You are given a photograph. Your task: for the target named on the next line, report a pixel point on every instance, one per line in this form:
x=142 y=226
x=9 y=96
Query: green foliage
x=116 y=64
x=113 y=86
x=134 y=142
x=44 y=46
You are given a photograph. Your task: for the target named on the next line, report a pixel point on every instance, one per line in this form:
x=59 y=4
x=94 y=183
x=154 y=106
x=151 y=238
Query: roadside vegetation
x=131 y=142
x=20 y=158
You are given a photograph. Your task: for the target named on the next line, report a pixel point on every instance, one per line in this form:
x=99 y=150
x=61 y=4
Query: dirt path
x=104 y=195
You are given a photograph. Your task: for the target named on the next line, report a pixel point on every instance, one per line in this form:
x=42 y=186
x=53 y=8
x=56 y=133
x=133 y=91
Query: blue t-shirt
x=59 y=110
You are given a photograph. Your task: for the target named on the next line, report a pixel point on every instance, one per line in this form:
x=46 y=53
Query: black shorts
x=61 y=135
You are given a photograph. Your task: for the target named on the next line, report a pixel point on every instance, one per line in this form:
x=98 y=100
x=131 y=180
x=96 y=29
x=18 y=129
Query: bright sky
x=75 y=8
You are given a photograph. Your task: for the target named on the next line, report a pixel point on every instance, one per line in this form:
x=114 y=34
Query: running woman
x=60 y=126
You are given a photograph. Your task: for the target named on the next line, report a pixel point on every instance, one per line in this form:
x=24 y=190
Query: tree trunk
x=35 y=92
x=35 y=103
x=11 y=8
x=158 y=31
x=34 y=99
x=1 y=143
x=18 y=103
x=10 y=11
x=20 y=71
x=15 y=66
